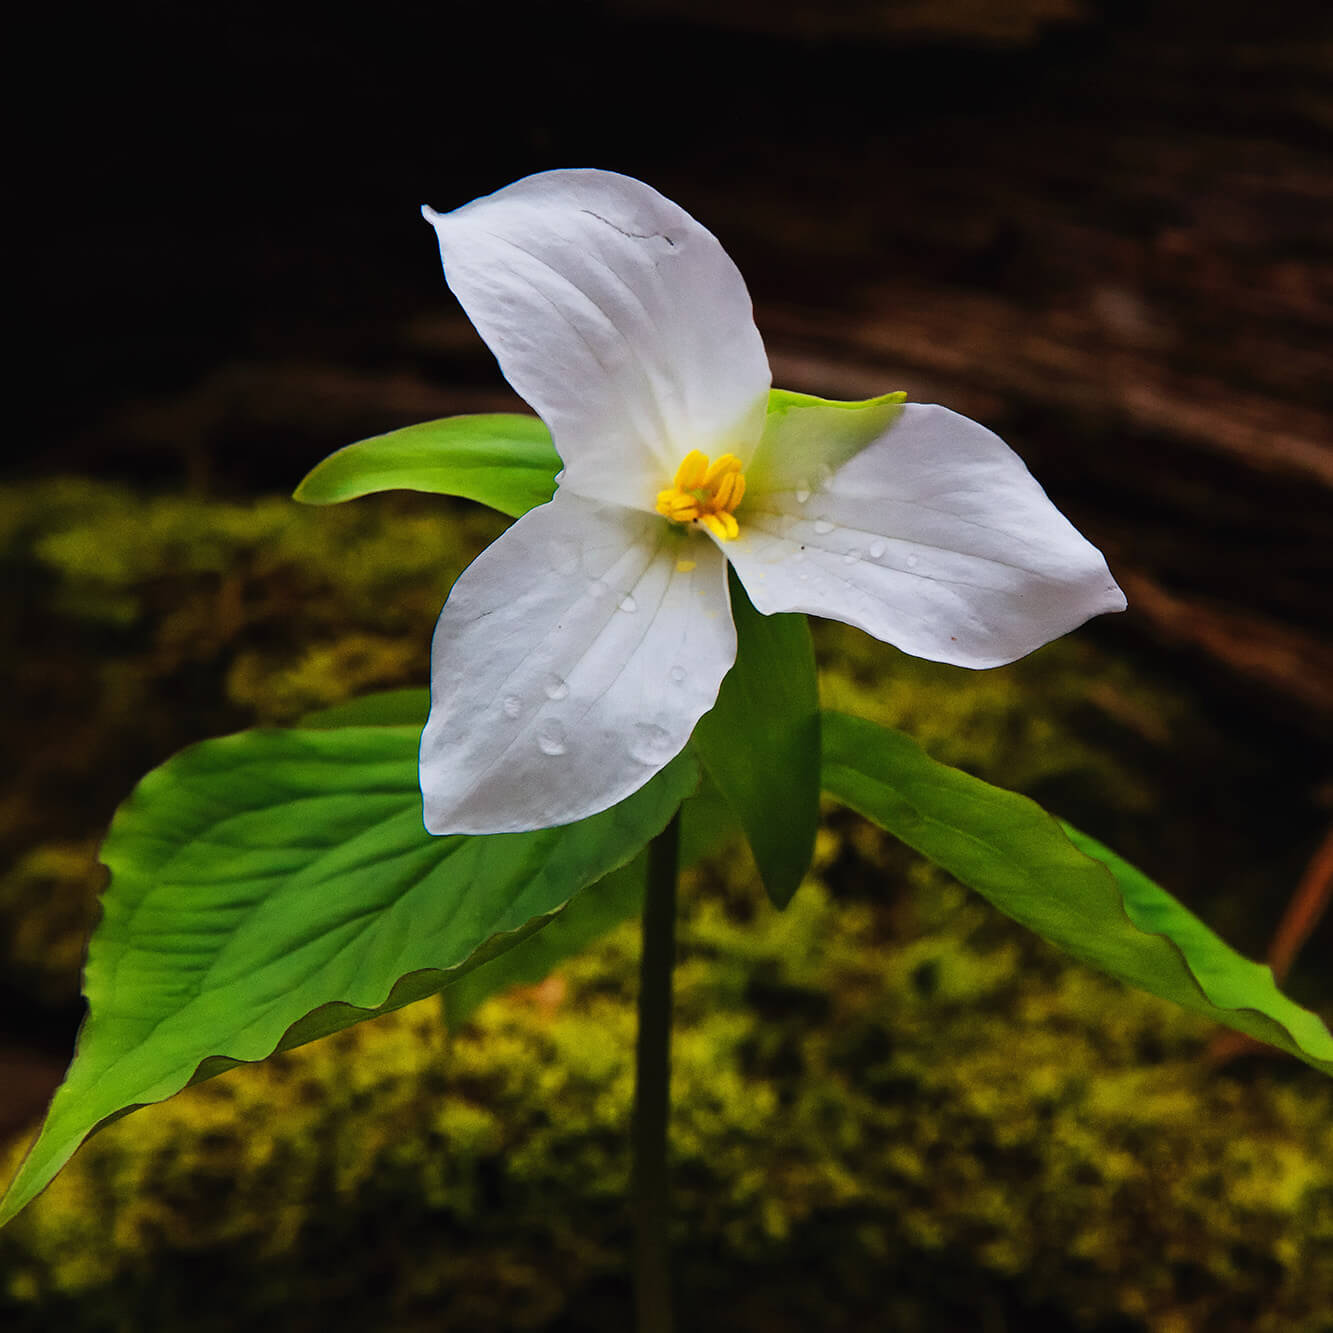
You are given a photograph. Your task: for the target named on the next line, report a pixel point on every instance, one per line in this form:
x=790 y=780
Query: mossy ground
x=893 y=1109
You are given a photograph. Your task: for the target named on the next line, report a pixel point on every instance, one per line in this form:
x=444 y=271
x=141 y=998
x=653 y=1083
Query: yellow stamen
x=730 y=488
x=678 y=506
x=705 y=493
x=691 y=472
x=725 y=465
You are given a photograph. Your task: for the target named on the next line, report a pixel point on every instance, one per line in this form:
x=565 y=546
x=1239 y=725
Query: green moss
x=48 y=903
x=943 y=1126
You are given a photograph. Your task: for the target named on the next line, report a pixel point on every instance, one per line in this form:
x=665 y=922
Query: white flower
x=575 y=655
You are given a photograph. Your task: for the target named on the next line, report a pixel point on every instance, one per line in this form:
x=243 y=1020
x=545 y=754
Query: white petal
x=618 y=317
x=570 y=663
x=934 y=538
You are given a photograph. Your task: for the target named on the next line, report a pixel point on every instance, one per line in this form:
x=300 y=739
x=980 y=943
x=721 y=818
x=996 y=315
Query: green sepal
x=1062 y=884
x=760 y=742
x=272 y=887
x=807 y=439
x=502 y=459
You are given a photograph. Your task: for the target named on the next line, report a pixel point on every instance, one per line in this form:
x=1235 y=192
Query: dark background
x=1103 y=229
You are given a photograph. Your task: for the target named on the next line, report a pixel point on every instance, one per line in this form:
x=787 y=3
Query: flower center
x=705 y=493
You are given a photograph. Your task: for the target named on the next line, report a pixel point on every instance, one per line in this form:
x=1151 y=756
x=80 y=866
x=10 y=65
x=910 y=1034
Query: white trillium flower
x=575 y=655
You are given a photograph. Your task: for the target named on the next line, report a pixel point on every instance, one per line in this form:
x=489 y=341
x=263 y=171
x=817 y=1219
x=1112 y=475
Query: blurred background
x=1103 y=229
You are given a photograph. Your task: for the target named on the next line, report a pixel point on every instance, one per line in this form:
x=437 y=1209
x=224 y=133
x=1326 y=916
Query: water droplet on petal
x=551 y=738
x=555 y=688
x=802 y=492
x=627 y=603
x=850 y=557
x=512 y=705
x=678 y=674
x=650 y=744
x=597 y=589
x=876 y=550
x=823 y=527
x=913 y=561
x=564 y=555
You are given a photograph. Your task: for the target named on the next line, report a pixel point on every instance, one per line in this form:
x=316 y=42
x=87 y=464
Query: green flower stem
x=652 y=1084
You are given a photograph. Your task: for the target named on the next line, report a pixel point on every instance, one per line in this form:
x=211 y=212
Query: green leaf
x=275 y=886
x=503 y=459
x=760 y=742
x=706 y=822
x=598 y=909
x=388 y=708
x=1061 y=884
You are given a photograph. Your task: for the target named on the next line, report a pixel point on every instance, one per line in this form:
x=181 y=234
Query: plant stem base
x=652 y=1265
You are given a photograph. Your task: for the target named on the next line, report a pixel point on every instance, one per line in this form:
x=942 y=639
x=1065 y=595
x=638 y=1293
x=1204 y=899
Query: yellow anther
x=726 y=465
x=691 y=473
x=705 y=493
x=730 y=488
x=723 y=526
x=678 y=506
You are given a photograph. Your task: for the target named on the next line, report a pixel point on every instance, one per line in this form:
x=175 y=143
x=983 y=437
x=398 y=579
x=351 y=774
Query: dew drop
x=555 y=688
x=851 y=557
x=650 y=744
x=512 y=705
x=823 y=527
x=551 y=738
x=597 y=589
x=564 y=555
x=678 y=674
x=913 y=561
x=627 y=603
x=802 y=492
x=876 y=550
